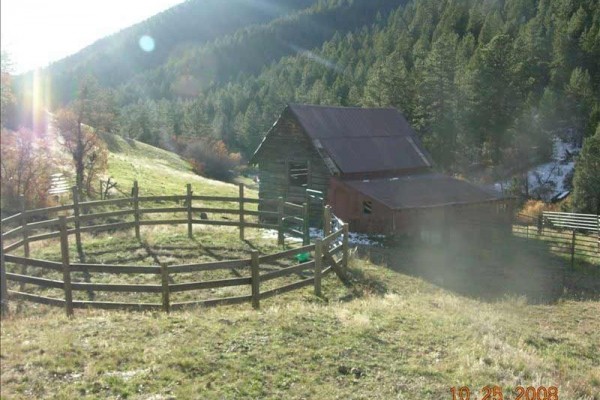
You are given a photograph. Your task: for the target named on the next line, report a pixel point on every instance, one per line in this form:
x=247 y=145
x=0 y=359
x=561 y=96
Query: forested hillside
x=484 y=82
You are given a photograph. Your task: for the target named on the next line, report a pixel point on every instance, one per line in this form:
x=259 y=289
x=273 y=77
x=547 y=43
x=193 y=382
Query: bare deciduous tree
x=78 y=125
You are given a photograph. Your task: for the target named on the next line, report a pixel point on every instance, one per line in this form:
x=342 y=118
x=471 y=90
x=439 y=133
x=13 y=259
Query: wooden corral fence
x=67 y=221
x=567 y=233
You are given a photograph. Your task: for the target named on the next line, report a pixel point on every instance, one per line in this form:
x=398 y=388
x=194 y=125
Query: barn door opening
x=298 y=173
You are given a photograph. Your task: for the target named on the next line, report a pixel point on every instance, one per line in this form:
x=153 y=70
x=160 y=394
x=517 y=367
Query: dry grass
x=389 y=335
x=536 y=207
x=161 y=245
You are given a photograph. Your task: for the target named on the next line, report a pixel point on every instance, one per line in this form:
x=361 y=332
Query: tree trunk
x=78 y=156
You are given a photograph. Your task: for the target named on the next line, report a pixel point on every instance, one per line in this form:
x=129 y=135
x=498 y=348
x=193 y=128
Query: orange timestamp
x=495 y=393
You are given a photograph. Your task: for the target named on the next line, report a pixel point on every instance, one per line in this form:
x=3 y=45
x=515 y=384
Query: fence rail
x=585 y=222
x=565 y=233
x=324 y=258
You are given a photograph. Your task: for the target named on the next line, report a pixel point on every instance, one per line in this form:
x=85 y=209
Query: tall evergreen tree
x=586 y=182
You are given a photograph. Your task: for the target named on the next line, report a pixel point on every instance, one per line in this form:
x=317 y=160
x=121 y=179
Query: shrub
x=211 y=158
x=25 y=169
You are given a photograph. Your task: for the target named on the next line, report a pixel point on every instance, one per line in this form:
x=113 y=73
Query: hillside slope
x=392 y=337
x=117 y=58
x=158 y=171
x=484 y=83
x=389 y=334
x=199 y=66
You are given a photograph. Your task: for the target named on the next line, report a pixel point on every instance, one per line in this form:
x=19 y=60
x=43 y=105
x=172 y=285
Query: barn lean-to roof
x=423 y=191
x=359 y=140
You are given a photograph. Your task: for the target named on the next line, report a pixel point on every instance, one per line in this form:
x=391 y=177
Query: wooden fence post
x=326 y=220
x=280 y=237
x=540 y=224
x=241 y=191
x=307 y=198
x=80 y=252
x=25 y=237
x=255 y=279
x=573 y=249
x=136 y=208
x=189 y=209
x=164 y=277
x=305 y=225
x=64 y=251
x=76 y=214
x=318 y=265
x=345 y=249
x=24 y=225
x=3 y=284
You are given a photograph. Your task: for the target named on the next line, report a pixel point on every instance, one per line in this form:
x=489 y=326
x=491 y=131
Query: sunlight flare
x=146 y=43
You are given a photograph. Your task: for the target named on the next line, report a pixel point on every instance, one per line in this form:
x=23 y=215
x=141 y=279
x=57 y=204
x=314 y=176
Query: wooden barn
x=372 y=169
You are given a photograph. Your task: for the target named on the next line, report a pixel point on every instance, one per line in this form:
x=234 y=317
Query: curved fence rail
x=65 y=221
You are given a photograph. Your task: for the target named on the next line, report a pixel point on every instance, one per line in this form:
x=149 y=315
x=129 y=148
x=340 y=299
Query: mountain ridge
x=126 y=58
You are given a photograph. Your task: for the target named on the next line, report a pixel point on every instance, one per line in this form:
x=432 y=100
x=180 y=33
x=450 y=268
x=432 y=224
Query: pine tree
x=437 y=99
x=586 y=182
x=579 y=100
x=495 y=96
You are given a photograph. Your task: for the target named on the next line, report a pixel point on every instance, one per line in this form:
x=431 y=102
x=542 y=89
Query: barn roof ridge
x=329 y=122
x=338 y=107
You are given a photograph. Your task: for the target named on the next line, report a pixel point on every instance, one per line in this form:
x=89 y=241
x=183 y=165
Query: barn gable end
x=285 y=146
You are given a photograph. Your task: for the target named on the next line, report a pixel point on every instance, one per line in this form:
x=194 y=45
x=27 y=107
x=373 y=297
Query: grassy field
x=164 y=245
x=413 y=323
x=390 y=335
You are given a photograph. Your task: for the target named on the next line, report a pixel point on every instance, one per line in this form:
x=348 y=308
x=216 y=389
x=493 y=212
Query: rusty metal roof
x=362 y=140
x=355 y=155
x=423 y=190
x=359 y=140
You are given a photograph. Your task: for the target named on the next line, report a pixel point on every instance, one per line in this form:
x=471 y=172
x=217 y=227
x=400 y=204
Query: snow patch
x=546 y=181
x=354 y=238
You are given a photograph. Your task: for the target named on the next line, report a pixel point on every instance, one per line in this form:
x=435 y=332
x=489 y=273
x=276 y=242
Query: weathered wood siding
x=347 y=204
x=288 y=143
x=474 y=218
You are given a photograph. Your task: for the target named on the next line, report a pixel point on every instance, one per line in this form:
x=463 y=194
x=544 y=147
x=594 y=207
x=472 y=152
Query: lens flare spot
x=146 y=43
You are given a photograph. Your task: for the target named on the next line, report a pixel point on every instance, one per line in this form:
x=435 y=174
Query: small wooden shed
x=371 y=167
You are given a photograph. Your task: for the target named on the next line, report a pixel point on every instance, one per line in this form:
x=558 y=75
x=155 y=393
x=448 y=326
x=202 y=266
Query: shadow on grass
x=112 y=258
x=111 y=142
x=491 y=267
x=361 y=285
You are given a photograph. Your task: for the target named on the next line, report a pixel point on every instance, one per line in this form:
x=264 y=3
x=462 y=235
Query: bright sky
x=37 y=32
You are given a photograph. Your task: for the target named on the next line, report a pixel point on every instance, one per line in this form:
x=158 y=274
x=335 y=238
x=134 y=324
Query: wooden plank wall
x=288 y=143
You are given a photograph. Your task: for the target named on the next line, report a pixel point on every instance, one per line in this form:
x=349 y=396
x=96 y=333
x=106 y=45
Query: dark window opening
x=298 y=173
x=367 y=207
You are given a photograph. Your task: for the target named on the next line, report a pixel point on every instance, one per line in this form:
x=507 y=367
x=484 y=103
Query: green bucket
x=303 y=257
